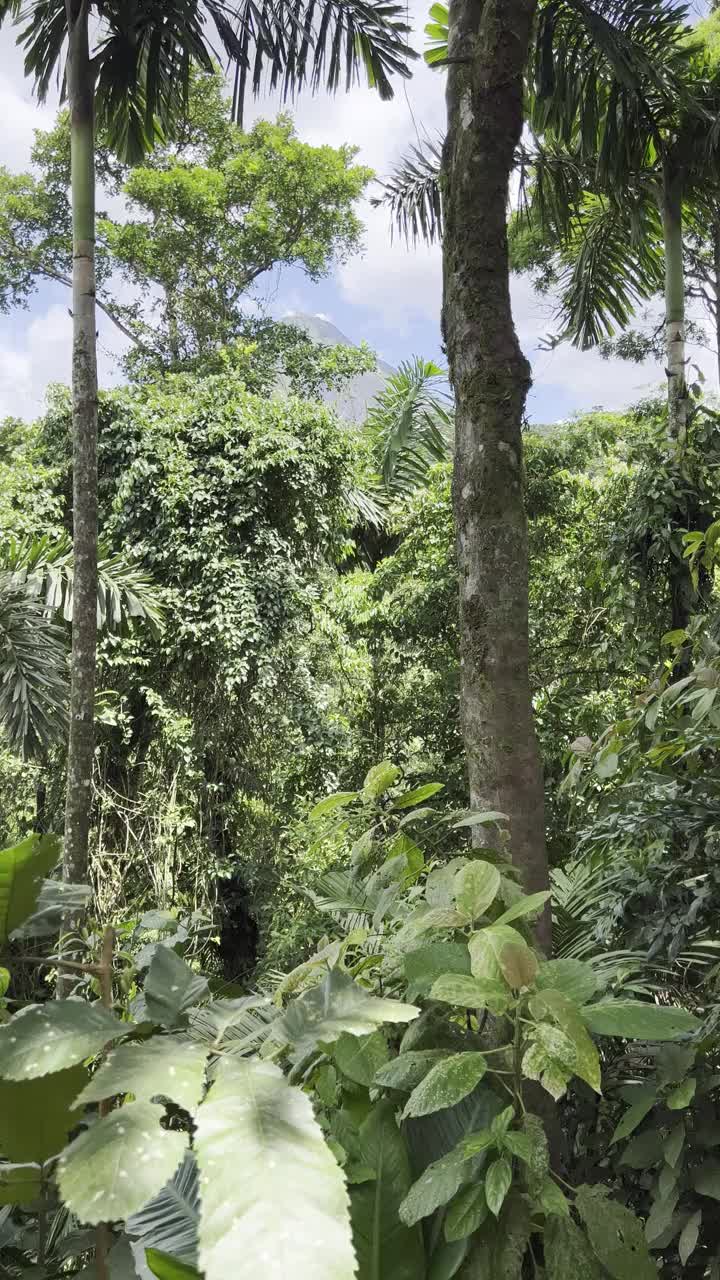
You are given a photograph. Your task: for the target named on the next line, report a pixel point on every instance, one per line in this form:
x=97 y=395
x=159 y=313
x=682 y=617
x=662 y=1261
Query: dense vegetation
x=386 y=752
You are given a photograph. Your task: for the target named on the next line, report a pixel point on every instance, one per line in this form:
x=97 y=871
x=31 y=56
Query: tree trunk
x=488 y=50
x=682 y=593
x=78 y=799
x=716 y=285
x=678 y=400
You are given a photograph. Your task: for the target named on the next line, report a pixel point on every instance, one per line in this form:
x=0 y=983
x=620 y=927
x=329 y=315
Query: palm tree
x=126 y=63
x=410 y=426
x=589 y=63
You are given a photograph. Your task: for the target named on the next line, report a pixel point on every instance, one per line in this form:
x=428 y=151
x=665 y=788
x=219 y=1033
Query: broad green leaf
x=519 y=1144
x=540 y=1063
x=285 y=1210
x=661 y=1214
x=36 y=1116
x=486 y=947
x=706 y=1179
x=361 y=1057
x=419 y=794
x=682 y=1095
x=574 y=978
x=674 y=1143
x=435 y=1187
x=337 y=1005
x=440 y=884
x=616 y=1235
x=171 y=987
x=644 y=1150
x=45 y=1038
x=551 y=1199
x=380 y=779
x=20 y=1183
x=568 y=1016
x=466 y=1212
x=386 y=1249
x=112 y=1169
x=689 y=1237
x=568 y=1253
x=162 y=1067
x=479 y=819
x=424 y=966
x=408 y=1069
x=5 y=980
x=636 y=1020
x=471 y=993
x=498 y=1180
x=519 y=965
x=447 y=1083
x=165 y=1267
x=635 y=1115
x=447 y=1259
x=527 y=906
x=476 y=887
x=331 y=803
x=23 y=868
x=509 y=1238
x=475 y=1143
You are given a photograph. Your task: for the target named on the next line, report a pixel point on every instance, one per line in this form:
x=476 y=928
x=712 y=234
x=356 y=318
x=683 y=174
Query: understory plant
x=387 y=1109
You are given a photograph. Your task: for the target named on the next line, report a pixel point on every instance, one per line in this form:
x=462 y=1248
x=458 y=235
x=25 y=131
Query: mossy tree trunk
x=488 y=51
x=81 y=91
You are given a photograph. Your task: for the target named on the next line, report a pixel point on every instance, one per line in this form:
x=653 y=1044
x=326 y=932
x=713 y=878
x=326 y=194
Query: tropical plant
x=410 y=424
x=136 y=84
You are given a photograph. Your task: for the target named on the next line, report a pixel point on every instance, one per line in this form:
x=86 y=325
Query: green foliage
x=22 y=869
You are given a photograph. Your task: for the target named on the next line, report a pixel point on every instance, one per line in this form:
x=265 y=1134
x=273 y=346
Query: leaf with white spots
x=171 y=987
x=119 y=1163
x=337 y=1005
x=448 y=1082
x=163 y=1067
x=50 y=1037
x=273 y=1199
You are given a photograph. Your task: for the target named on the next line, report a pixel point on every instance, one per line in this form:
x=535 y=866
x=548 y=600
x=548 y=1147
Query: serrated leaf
x=471 y=993
x=435 y=1187
x=476 y=887
x=466 y=1212
x=616 y=1235
x=45 y=1038
x=386 y=1249
x=285 y=1212
x=498 y=1181
x=20 y=1183
x=419 y=794
x=447 y=1083
x=636 y=1020
x=529 y=905
x=22 y=870
x=171 y=987
x=112 y=1169
x=689 y=1237
x=574 y=978
x=408 y=1069
x=36 y=1116
x=426 y=964
x=337 y=1005
x=361 y=1057
x=331 y=803
x=162 y=1067
x=166 y=1267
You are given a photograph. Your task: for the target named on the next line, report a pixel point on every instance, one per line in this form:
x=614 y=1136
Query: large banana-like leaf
x=386 y=1249
x=22 y=869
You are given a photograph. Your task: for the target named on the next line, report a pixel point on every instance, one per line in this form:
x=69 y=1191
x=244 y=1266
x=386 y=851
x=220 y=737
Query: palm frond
x=413 y=194
x=169 y=1221
x=33 y=671
x=43 y=568
x=411 y=424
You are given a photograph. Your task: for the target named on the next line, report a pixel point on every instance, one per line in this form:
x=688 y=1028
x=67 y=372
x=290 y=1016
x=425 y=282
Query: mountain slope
x=352 y=402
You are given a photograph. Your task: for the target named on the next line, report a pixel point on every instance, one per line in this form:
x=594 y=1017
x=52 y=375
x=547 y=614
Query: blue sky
x=390 y=296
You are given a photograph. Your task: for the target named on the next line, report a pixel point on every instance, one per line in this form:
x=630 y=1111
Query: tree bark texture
x=78 y=800
x=488 y=51
x=716 y=285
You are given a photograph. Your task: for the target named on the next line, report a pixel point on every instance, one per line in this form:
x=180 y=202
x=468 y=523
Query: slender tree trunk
x=716 y=286
x=84 y=423
x=488 y=51
x=682 y=593
x=678 y=401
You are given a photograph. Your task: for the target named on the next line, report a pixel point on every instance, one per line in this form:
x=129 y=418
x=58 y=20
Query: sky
x=390 y=295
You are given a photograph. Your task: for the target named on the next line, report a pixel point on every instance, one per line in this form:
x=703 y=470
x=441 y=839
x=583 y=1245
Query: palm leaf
x=412 y=193
x=411 y=424
x=170 y=1220
x=33 y=671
